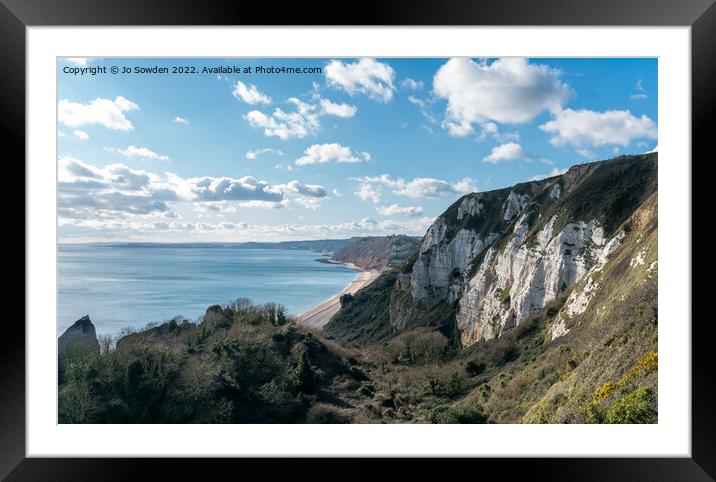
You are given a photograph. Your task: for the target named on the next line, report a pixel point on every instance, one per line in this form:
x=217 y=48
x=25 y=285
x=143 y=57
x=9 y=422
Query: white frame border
x=670 y=437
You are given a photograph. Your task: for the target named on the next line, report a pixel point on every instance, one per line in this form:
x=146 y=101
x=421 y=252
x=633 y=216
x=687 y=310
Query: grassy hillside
x=603 y=371
x=377 y=252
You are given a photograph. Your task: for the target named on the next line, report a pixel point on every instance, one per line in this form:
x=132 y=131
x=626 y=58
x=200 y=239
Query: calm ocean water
x=131 y=285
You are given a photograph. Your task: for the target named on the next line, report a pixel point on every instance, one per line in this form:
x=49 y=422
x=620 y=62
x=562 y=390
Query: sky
x=176 y=150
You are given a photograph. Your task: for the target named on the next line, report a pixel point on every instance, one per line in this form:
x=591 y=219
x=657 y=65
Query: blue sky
x=357 y=147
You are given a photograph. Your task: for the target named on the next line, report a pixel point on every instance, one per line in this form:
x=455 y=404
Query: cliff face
x=377 y=252
x=495 y=258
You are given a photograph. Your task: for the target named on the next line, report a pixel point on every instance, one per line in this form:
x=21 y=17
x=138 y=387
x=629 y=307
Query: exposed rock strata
x=493 y=259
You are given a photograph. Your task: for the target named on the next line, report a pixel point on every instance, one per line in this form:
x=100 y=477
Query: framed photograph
x=424 y=231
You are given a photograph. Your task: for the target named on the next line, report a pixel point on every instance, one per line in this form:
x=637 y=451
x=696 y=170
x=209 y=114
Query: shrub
x=441 y=383
x=372 y=411
x=428 y=347
x=605 y=391
x=473 y=368
x=75 y=403
x=304 y=377
x=417 y=347
x=366 y=390
x=321 y=413
x=638 y=406
x=507 y=355
x=472 y=414
x=540 y=413
x=592 y=413
x=646 y=364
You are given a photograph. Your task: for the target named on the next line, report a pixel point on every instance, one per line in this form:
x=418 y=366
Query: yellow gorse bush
x=646 y=364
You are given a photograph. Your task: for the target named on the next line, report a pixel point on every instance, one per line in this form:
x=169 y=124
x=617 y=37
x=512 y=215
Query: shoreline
x=319 y=315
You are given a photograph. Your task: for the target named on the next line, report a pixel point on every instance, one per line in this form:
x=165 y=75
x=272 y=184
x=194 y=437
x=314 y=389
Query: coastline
x=321 y=314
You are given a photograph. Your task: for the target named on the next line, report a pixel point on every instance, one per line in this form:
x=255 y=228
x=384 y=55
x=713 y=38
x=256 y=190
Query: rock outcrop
x=80 y=339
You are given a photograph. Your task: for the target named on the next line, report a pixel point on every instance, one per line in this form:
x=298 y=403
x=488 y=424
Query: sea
x=131 y=285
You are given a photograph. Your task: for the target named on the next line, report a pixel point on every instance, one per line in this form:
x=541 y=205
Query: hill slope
x=377 y=252
x=547 y=293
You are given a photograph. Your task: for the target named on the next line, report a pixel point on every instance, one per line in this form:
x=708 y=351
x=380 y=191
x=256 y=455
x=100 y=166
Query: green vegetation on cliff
x=242 y=364
x=587 y=355
x=377 y=252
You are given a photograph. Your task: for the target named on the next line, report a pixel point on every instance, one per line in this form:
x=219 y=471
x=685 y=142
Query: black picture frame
x=16 y=15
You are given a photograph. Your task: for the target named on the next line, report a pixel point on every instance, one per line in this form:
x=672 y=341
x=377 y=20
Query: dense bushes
x=445 y=382
x=417 y=347
x=118 y=387
x=460 y=414
x=638 y=406
x=242 y=363
x=624 y=401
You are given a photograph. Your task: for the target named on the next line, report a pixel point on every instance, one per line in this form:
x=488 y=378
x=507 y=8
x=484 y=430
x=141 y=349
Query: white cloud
x=490 y=129
x=424 y=105
x=395 y=209
x=421 y=187
x=250 y=94
x=143 y=152
x=307 y=190
x=253 y=154
x=410 y=84
x=425 y=187
x=655 y=149
x=325 y=153
x=507 y=90
x=214 y=206
x=181 y=120
x=367 y=192
x=366 y=76
x=338 y=110
x=507 y=152
x=263 y=204
x=586 y=153
x=303 y=121
x=108 y=113
x=586 y=128
x=641 y=92
x=457 y=129
x=465 y=186
x=81 y=135
x=87 y=192
x=554 y=172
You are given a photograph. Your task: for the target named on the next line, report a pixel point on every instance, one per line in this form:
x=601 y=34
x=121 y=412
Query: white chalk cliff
x=500 y=267
x=495 y=258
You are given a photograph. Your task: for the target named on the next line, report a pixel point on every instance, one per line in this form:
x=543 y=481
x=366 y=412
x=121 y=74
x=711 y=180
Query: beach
x=321 y=314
